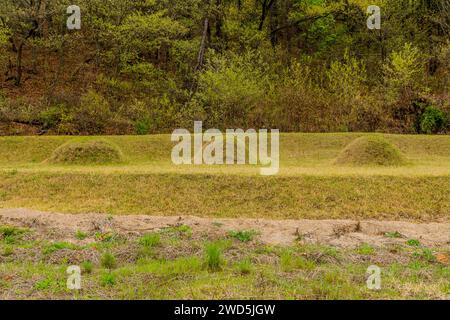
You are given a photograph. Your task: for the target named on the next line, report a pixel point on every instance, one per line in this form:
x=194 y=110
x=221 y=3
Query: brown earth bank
x=339 y=233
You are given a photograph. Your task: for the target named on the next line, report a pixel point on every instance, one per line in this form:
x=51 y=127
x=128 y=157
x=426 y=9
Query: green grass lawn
x=309 y=185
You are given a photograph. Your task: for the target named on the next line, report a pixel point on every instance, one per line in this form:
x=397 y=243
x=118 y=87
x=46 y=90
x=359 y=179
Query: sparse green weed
x=413 y=243
x=56 y=246
x=290 y=262
x=243 y=235
x=80 y=235
x=366 y=249
x=393 y=235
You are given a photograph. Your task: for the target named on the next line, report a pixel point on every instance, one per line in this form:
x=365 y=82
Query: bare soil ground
x=339 y=233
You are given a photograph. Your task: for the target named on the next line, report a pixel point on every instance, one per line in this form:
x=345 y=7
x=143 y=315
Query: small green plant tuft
x=150 y=240
x=10 y=234
x=425 y=255
x=43 y=284
x=80 y=235
x=179 y=231
x=290 y=262
x=87 y=266
x=8 y=251
x=393 y=235
x=413 y=243
x=56 y=246
x=243 y=235
x=245 y=266
x=105 y=236
x=107 y=279
x=213 y=256
x=7 y=231
x=108 y=260
x=365 y=249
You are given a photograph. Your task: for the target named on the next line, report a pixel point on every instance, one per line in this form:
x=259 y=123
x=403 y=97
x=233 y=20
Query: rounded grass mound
x=88 y=152
x=207 y=151
x=370 y=151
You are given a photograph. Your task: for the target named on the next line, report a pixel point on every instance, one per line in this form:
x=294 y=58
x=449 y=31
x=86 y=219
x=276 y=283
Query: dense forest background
x=149 y=66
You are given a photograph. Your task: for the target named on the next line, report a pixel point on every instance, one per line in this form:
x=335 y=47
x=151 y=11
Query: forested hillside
x=149 y=66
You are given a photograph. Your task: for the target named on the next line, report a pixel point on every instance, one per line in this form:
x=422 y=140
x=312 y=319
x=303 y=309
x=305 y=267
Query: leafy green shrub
x=143 y=126
x=50 y=117
x=162 y=116
x=345 y=78
x=59 y=118
x=93 y=114
x=299 y=102
x=230 y=87
x=433 y=120
x=404 y=73
x=303 y=97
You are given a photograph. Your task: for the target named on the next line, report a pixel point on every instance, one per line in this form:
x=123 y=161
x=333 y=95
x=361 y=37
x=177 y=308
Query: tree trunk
x=266 y=6
x=201 y=52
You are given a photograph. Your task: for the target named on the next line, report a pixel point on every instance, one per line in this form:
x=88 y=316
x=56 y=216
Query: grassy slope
x=308 y=186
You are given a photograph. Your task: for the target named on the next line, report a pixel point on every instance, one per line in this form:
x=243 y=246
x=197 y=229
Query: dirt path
x=341 y=233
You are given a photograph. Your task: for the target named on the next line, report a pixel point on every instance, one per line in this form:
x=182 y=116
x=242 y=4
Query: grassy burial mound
x=213 y=153
x=370 y=151
x=87 y=152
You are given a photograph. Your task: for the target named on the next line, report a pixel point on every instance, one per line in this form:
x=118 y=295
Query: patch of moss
x=370 y=151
